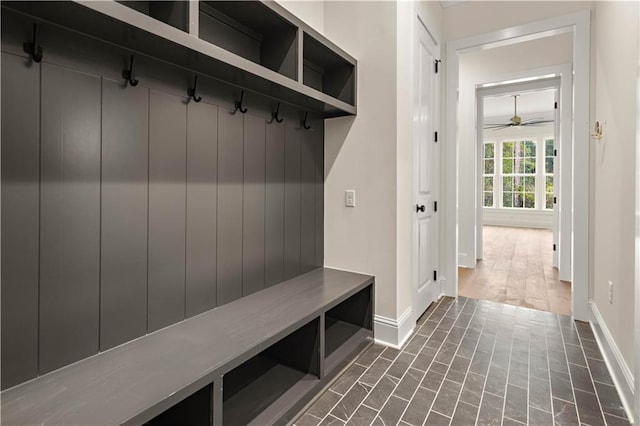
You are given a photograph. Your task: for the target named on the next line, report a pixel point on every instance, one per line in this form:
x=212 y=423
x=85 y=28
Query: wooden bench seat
x=292 y=337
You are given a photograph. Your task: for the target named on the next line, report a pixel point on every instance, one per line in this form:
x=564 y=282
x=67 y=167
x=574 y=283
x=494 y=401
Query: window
x=548 y=173
x=518 y=174
x=488 y=173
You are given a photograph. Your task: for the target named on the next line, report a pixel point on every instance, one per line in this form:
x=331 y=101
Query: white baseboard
x=542 y=219
x=392 y=332
x=620 y=372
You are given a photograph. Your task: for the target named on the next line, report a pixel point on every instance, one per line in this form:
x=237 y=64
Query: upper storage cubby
x=328 y=72
x=255 y=45
x=253 y=31
x=174 y=13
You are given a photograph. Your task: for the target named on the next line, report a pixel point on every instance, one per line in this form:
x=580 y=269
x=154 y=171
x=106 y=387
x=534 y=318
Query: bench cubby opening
x=347 y=325
x=194 y=410
x=328 y=72
x=264 y=388
x=174 y=13
x=253 y=31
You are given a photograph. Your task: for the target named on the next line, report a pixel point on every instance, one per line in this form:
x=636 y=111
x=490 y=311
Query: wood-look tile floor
x=517 y=269
x=475 y=362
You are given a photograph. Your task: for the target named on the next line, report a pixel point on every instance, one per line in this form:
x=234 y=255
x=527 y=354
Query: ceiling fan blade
x=497 y=126
x=530 y=122
x=533 y=119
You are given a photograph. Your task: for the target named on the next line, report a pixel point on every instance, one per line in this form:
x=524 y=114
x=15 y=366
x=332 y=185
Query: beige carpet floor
x=517 y=269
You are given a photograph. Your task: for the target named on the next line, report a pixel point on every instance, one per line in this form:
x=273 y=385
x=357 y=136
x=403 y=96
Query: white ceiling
x=529 y=104
x=449 y=3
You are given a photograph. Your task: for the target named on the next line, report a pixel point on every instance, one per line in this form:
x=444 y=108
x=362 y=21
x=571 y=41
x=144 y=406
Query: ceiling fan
x=516 y=121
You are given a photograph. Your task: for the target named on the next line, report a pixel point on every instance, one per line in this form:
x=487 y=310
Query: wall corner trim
x=620 y=372
x=466 y=261
x=394 y=332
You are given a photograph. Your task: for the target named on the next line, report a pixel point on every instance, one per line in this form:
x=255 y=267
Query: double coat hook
x=304 y=122
x=128 y=74
x=33 y=48
x=276 y=115
x=239 y=104
x=192 y=90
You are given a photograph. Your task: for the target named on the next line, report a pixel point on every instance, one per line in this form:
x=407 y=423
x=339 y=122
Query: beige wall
x=373 y=152
x=310 y=11
x=479 y=17
x=616 y=60
x=360 y=151
x=404 y=156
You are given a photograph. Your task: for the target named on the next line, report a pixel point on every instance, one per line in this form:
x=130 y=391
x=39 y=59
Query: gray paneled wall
x=274 y=214
x=254 y=205
x=69 y=216
x=307 y=204
x=292 y=208
x=202 y=206
x=127 y=209
x=20 y=218
x=125 y=178
x=230 y=136
x=167 y=209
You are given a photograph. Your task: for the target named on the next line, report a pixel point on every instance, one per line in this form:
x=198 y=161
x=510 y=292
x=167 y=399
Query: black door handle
x=420 y=208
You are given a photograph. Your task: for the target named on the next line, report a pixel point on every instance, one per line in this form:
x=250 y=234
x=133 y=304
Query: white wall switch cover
x=350 y=198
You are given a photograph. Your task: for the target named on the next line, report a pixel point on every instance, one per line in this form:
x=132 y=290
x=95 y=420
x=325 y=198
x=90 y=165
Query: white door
x=426 y=172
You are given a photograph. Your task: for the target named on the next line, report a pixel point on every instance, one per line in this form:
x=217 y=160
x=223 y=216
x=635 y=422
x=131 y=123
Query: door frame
x=554 y=77
x=579 y=23
x=437 y=287
x=636 y=404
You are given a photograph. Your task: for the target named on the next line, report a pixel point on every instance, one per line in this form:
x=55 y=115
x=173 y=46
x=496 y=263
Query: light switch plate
x=350 y=198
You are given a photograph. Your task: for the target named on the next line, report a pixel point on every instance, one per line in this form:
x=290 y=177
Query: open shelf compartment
x=347 y=325
x=194 y=410
x=327 y=71
x=253 y=31
x=264 y=388
x=174 y=13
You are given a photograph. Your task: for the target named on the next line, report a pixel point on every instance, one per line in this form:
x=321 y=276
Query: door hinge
x=435 y=206
x=555 y=152
x=437 y=62
x=435 y=275
x=554 y=247
x=555 y=200
x=435 y=136
x=555 y=105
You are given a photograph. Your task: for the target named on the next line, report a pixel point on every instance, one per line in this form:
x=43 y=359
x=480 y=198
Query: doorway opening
x=519 y=231
x=460 y=242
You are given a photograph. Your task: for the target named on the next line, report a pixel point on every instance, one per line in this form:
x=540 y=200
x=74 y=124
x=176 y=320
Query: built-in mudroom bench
x=256 y=360
x=163 y=214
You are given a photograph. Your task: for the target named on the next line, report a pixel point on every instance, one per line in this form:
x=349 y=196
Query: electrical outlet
x=610 y=292
x=350 y=198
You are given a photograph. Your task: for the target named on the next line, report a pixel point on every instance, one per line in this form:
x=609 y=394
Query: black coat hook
x=33 y=48
x=239 y=104
x=304 y=122
x=192 y=90
x=275 y=115
x=128 y=74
